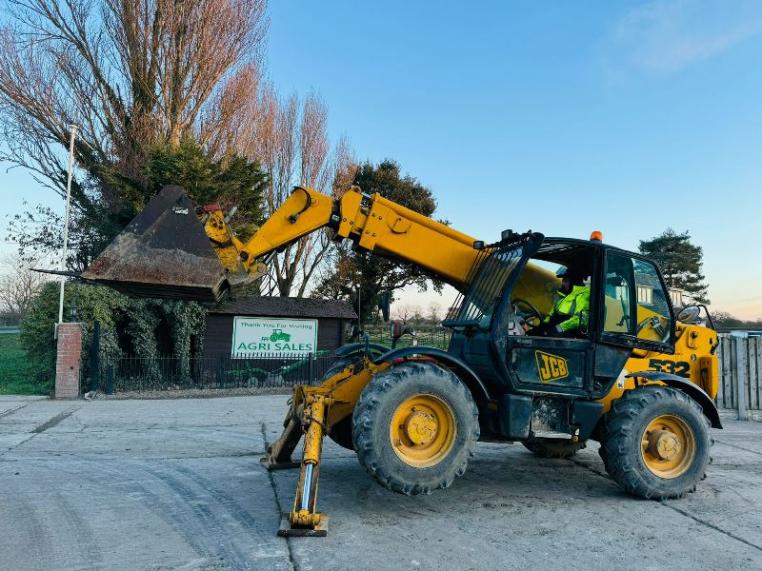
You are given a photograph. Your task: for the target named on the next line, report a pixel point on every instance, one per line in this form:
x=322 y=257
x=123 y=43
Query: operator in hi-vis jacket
x=568 y=318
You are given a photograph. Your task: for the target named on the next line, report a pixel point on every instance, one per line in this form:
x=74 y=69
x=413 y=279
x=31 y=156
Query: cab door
x=635 y=313
x=557 y=365
x=636 y=310
x=551 y=364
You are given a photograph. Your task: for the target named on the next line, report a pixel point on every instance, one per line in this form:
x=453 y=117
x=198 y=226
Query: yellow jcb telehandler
x=629 y=374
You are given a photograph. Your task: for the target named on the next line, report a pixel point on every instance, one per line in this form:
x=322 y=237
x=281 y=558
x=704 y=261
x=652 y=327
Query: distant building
x=645 y=295
x=276 y=326
x=676 y=294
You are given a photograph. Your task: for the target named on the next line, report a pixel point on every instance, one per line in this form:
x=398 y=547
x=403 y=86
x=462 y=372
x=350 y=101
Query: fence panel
x=726 y=356
x=722 y=398
x=755 y=360
x=740 y=356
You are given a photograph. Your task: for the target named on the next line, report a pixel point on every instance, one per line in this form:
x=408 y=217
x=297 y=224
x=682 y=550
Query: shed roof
x=286 y=307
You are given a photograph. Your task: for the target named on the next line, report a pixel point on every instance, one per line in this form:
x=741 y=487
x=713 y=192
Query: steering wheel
x=527 y=311
x=655 y=323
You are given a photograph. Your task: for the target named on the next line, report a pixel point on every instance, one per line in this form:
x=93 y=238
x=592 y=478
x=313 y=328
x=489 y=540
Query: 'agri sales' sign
x=273 y=336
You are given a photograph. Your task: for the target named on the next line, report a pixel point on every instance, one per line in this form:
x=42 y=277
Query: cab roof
x=566 y=250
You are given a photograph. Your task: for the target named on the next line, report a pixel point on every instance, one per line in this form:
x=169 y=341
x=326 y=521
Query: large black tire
x=552 y=448
x=621 y=445
x=372 y=418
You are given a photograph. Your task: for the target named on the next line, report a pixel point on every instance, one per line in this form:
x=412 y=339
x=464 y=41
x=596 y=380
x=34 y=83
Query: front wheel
x=415 y=427
x=656 y=443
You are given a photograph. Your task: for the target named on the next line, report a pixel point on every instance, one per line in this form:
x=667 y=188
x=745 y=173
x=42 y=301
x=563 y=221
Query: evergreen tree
x=229 y=181
x=680 y=261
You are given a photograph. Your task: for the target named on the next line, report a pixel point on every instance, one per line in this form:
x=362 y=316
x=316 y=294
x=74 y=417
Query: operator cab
x=499 y=322
x=623 y=305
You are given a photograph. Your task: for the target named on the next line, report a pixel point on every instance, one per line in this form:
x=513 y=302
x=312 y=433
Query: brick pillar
x=68 y=360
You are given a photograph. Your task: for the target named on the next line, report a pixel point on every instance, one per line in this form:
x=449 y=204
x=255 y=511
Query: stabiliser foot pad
x=320 y=530
x=269 y=465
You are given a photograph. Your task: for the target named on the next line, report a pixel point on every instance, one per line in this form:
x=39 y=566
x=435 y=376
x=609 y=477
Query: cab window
x=618 y=307
x=635 y=302
x=487 y=289
x=654 y=321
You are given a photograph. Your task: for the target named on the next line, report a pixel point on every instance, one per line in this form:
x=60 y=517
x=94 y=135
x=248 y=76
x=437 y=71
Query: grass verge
x=16 y=372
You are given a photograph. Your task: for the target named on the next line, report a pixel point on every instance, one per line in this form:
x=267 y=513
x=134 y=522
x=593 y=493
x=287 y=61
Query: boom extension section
x=374 y=224
x=169 y=249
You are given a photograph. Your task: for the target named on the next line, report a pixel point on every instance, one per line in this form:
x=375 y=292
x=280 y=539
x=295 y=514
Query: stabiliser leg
x=278 y=456
x=304 y=520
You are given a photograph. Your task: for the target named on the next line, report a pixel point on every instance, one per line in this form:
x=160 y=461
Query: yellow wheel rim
x=668 y=446
x=422 y=430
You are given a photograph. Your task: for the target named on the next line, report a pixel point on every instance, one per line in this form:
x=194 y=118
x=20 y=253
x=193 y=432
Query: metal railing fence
x=431 y=337
x=219 y=372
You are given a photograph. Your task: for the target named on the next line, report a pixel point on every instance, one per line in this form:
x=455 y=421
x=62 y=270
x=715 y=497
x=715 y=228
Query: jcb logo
x=551 y=367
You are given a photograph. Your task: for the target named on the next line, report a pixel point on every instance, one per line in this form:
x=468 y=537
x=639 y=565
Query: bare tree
x=435 y=313
x=407 y=312
x=135 y=74
x=131 y=73
x=289 y=137
x=19 y=285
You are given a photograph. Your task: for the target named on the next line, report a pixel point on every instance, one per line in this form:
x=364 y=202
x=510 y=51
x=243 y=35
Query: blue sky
x=563 y=117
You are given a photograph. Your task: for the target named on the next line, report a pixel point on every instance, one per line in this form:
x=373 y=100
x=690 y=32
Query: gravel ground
x=176 y=484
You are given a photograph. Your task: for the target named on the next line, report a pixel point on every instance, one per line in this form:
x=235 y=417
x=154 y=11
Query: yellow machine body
x=376 y=224
x=388 y=229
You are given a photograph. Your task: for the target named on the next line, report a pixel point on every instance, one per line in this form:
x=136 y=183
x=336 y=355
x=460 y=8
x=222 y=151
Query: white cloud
x=663 y=36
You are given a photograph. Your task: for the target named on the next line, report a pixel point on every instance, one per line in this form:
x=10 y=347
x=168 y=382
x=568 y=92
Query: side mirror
x=690 y=314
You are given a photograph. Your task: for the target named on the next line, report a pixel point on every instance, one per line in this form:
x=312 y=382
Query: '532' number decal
x=681 y=368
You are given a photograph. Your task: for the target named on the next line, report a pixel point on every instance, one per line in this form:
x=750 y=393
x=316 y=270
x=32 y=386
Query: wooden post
x=741 y=369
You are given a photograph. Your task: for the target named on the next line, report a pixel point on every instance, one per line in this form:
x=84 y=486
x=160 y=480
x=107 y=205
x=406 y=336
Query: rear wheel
x=415 y=427
x=553 y=448
x=657 y=443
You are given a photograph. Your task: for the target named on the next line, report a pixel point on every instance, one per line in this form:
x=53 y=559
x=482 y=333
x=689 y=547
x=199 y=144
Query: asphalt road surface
x=177 y=484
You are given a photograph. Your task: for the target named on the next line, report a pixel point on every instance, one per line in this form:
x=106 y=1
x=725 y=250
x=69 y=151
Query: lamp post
x=64 y=247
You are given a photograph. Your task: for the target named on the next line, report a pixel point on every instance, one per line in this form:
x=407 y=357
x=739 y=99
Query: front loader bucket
x=164 y=252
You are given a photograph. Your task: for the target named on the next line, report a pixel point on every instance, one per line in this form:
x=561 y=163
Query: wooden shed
x=276 y=326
